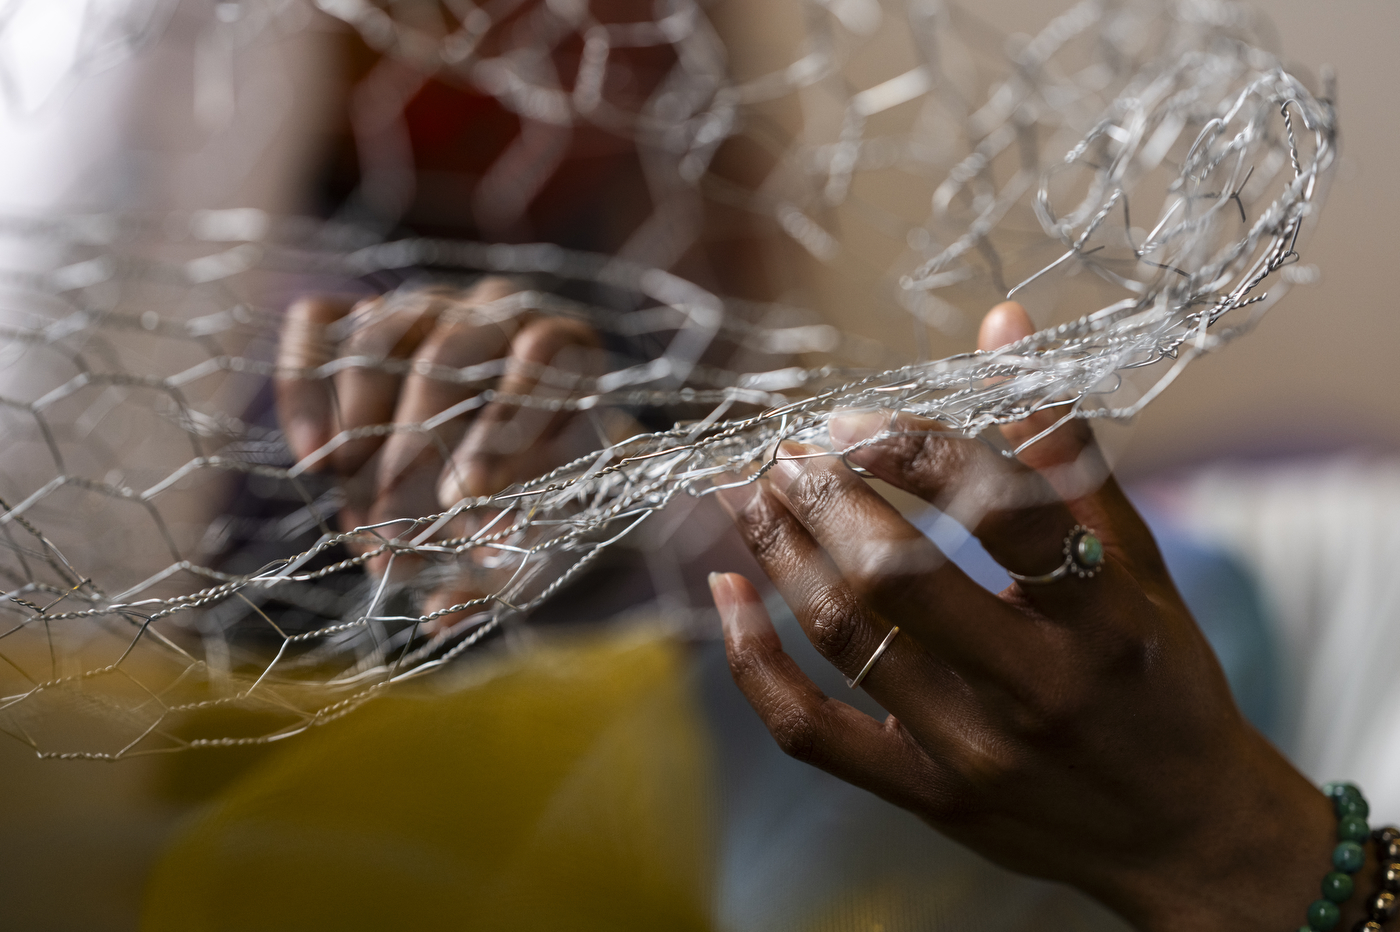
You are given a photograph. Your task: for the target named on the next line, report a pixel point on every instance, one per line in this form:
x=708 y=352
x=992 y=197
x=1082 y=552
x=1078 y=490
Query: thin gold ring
x=873 y=657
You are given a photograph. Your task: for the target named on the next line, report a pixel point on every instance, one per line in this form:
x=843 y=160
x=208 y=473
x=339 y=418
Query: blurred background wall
x=1320 y=375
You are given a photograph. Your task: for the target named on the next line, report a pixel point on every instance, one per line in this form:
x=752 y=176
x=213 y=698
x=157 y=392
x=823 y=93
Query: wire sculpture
x=175 y=579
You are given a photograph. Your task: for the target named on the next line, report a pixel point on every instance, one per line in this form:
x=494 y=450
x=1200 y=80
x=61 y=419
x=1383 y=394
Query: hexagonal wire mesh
x=1137 y=173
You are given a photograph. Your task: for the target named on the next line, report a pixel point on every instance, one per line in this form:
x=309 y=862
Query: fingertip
x=1006 y=323
x=473 y=478
x=491 y=288
x=717 y=586
x=740 y=606
x=317 y=309
x=722 y=590
x=449 y=490
x=850 y=426
x=304 y=437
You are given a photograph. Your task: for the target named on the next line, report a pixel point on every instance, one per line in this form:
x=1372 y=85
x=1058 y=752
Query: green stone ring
x=1083 y=557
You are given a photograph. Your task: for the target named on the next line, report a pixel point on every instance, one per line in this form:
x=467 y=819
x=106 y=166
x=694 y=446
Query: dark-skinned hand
x=1079 y=730
x=405 y=434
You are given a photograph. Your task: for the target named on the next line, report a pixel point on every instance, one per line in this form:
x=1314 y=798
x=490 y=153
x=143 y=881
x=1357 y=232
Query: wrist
x=1254 y=860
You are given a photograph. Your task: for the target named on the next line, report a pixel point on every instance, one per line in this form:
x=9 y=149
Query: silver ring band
x=1083 y=557
x=873 y=657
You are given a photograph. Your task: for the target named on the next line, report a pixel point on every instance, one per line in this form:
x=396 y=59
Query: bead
x=1088 y=550
x=1323 y=915
x=1353 y=829
x=1348 y=807
x=1386 y=833
x=1337 y=887
x=1387 y=851
x=1348 y=857
x=1367 y=925
x=1390 y=877
x=1381 y=907
x=1340 y=788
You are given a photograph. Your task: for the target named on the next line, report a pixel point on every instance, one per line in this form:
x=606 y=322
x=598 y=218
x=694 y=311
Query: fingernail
x=785 y=467
x=1004 y=324
x=449 y=490
x=722 y=591
x=851 y=426
x=303 y=438
x=736 y=498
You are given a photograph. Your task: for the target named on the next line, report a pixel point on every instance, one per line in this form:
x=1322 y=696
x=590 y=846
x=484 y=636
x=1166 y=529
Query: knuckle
x=1050 y=714
x=933 y=456
x=541 y=341
x=313 y=309
x=996 y=771
x=304 y=342
x=553 y=341
x=395 y=327
x=966 y=470
x=764 y=533
x=798 y=732
x=817 y=492
x=1123 y=655
x=443 y=347
x=565 y=330
x=835 y=618
x=536 y=342
x=930 y=453
x=746 y=664
x=491 y=288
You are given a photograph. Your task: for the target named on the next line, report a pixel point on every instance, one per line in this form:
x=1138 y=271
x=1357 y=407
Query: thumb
x=1006 y=323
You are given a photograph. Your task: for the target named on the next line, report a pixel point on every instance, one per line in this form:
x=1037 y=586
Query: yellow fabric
x=568 y=791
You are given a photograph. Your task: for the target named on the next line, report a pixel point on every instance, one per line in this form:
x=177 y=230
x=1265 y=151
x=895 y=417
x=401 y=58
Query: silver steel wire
x=1143 y=170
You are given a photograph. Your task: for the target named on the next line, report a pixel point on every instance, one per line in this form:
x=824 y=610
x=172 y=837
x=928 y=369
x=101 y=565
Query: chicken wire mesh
x=689 y=189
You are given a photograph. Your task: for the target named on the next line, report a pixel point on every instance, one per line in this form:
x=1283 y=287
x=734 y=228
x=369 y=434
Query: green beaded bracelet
x=1338 y=887
x=1347 y=856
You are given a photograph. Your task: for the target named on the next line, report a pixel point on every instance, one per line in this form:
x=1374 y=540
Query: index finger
x=807 y=724
x=305 y=402
x=387 y=328
x=901 y=573
x=411 y=460
x=505 y=443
